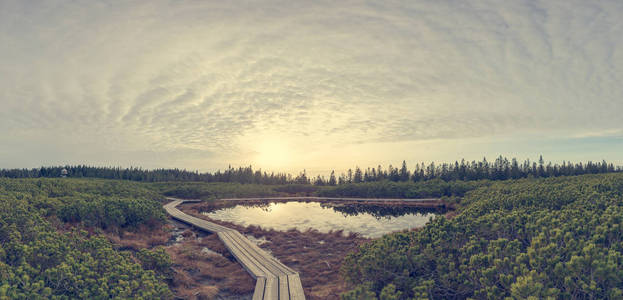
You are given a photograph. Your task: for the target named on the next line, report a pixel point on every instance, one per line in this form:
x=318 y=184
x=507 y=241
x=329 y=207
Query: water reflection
x=381 y=211
x=368 y=220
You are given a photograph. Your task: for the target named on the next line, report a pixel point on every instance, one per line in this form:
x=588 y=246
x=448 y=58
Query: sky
x=315 y=85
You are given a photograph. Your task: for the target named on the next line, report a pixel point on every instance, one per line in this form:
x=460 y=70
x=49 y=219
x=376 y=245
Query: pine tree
x=332 y=180
x=404 y=172
x=358 y=177
x=319 y=181
x=541 y=170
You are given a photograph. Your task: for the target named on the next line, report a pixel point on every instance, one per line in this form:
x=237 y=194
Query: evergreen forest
x=501 y=168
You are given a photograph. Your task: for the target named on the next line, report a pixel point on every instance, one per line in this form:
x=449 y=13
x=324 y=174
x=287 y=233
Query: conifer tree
x=358 y=176
x=332 y=180
x=404 y=172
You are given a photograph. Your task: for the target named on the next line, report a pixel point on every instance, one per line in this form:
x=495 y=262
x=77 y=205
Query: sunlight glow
x=273 y=153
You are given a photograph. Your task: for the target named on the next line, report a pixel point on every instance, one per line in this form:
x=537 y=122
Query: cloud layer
x=200 y=84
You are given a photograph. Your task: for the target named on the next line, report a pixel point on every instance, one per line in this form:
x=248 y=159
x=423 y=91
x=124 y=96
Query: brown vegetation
x=198 y=273
x=199 y=267
x=316 y=256
x=141 y=238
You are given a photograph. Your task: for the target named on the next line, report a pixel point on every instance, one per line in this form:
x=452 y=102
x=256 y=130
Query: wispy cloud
x=211 y=78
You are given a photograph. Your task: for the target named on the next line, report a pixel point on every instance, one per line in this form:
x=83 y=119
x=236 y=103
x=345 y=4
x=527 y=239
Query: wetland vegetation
x=556 y=237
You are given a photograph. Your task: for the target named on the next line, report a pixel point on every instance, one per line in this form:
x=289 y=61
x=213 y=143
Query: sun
x=273 y=154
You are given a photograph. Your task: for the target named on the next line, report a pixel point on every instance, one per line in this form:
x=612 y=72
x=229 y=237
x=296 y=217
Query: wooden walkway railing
x=274 y=280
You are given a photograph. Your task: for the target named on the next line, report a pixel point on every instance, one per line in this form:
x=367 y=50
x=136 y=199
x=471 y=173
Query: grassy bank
x=381 y=189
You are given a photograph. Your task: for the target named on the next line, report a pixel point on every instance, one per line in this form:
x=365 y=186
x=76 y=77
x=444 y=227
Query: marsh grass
x=315 y=255
x=196 y=274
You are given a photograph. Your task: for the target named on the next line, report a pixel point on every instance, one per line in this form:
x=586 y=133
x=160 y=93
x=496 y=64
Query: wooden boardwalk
x=274 y=280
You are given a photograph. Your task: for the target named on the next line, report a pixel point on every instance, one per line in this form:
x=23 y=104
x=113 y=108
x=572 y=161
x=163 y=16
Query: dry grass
x=199 y=293
x=316 y=256
x=140 y=238
x=198 y=269
x=196 y=274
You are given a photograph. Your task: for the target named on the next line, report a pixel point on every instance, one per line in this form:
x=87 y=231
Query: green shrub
x=388 y=189
x=559 y=238
x=157 y=260
x=210 y=191
x=38 y=262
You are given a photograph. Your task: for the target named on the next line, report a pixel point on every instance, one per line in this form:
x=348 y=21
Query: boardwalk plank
x=260 y=284
x=259 y=254
x=274 y=280
x=275 y=263
x=296 y=288
x=255 y=268
x=284 y=290
x=250 y=266
x=252 y=254
x=271 y=290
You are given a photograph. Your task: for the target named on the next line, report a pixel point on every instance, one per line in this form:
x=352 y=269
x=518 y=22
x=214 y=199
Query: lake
x=370 y=221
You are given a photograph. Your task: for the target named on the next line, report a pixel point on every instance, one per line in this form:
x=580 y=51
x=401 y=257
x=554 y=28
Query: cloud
x=213 y=77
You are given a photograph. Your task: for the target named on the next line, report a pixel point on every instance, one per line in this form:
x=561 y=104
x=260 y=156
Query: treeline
x=500 y=169
x=238 y=175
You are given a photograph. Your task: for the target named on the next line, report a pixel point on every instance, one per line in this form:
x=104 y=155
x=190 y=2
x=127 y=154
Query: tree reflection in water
x=371 y=220
x=381 y=211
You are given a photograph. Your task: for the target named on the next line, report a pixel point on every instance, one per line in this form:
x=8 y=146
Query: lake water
x=369 y=221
